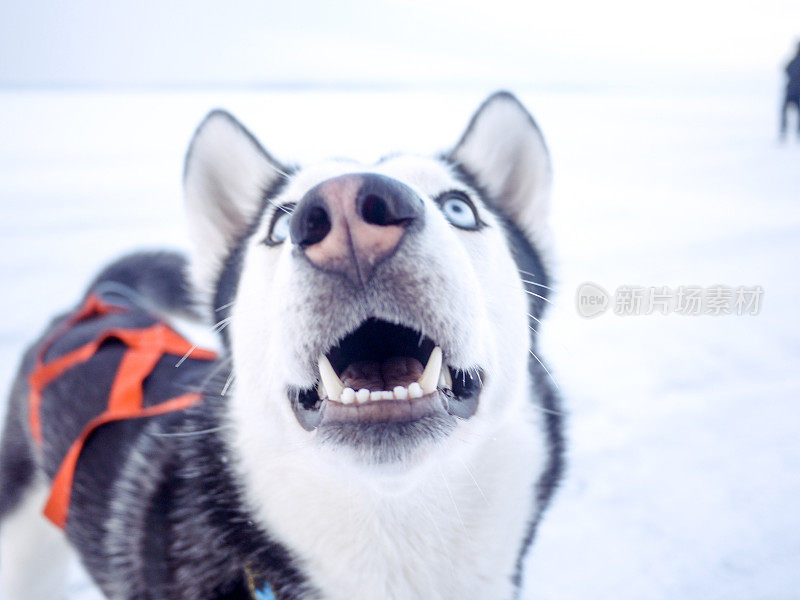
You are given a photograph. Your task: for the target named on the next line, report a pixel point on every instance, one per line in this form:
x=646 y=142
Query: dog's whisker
x=217 y=327
x=455 y=505
x=536 y=283
x=530 y=292
x=231 y=379
x=283 y=208
x=193 y=433
x=539 y=360
x=221 y=324
x=224 y=306
x=534 y=294
x=277 y=206
x=185 y=356
x=212 y=379
x=534 y=318
x=280 y=171
x=277 y=170
x=475 y=481
x=550 y=411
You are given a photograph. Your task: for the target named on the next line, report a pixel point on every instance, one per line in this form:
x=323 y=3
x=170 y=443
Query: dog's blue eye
x=279 y=228
x=458 y=209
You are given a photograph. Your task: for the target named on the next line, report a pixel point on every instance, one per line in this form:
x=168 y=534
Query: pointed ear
x=226 y=176
x=505 y=152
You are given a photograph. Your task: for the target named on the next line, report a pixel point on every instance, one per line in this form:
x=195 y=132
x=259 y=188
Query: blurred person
x=792 y=97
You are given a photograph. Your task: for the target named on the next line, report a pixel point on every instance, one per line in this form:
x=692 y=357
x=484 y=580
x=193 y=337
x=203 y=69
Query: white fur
x=451 y=529
x=35 y=557
x=448 y=525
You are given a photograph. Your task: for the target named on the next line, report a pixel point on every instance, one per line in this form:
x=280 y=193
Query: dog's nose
x=350 y=223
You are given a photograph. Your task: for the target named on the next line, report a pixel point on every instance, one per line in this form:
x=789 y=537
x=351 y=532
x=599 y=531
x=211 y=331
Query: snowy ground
x=684 y=461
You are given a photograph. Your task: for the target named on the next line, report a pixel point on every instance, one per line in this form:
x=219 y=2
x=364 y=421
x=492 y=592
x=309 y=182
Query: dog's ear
x=225 y=179
x=504 y=150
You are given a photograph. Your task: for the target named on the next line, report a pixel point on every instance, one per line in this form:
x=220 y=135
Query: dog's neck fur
x=453 y=528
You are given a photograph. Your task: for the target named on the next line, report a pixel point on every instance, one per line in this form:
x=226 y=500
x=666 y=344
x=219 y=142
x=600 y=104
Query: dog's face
x=376 y=312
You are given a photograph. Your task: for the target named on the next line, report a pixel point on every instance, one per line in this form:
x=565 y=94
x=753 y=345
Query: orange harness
x=145 y=346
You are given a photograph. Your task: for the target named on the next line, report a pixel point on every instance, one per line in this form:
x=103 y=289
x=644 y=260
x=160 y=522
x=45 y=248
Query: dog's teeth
x=362 y=395
x=400 y=392
x=330 y=380
x=430 y=376
x=348 y=396
x=380 y=396
x=415 y=390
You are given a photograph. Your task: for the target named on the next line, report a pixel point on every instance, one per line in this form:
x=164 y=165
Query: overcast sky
x=422 y=42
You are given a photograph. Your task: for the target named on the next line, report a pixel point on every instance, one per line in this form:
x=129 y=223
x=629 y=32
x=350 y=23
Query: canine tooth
x=348 y=395
x=415 y=390
x=401 y=392
x=362 y=395
x=333 y=385
x=430 y=376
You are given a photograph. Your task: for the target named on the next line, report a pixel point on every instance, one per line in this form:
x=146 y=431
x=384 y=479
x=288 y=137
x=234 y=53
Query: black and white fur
x=236 y=484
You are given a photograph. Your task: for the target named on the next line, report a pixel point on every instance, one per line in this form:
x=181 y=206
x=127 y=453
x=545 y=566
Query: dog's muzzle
x=382 y=381
x=386 y=373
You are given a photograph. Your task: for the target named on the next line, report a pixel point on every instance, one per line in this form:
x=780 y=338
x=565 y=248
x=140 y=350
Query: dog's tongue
x=386 y=375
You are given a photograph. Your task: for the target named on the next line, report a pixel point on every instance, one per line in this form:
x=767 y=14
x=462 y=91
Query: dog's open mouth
x=386 y=373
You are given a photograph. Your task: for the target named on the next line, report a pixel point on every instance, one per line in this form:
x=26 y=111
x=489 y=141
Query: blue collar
x=265 y=593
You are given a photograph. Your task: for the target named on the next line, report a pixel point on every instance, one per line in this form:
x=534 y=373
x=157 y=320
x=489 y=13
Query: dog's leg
x=35 y=556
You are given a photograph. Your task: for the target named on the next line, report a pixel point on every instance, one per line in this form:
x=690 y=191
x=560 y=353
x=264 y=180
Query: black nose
x=368 y=197
x=385 y=201
x=352 y=222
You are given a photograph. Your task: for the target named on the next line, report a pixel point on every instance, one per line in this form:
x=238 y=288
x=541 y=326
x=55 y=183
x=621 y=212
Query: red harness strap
x=126 y=400
x=43 y=373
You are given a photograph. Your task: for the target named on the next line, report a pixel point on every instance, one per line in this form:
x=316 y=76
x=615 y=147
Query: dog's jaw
x=455 y=520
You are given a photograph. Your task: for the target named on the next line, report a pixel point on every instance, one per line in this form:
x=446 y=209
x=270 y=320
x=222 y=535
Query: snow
x=684 y=464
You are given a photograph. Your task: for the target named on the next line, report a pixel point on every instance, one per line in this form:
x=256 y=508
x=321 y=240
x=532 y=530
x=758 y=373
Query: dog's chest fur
x=451 y=535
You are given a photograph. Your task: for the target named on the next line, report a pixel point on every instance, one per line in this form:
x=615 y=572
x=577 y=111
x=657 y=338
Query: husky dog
x=378 y=425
